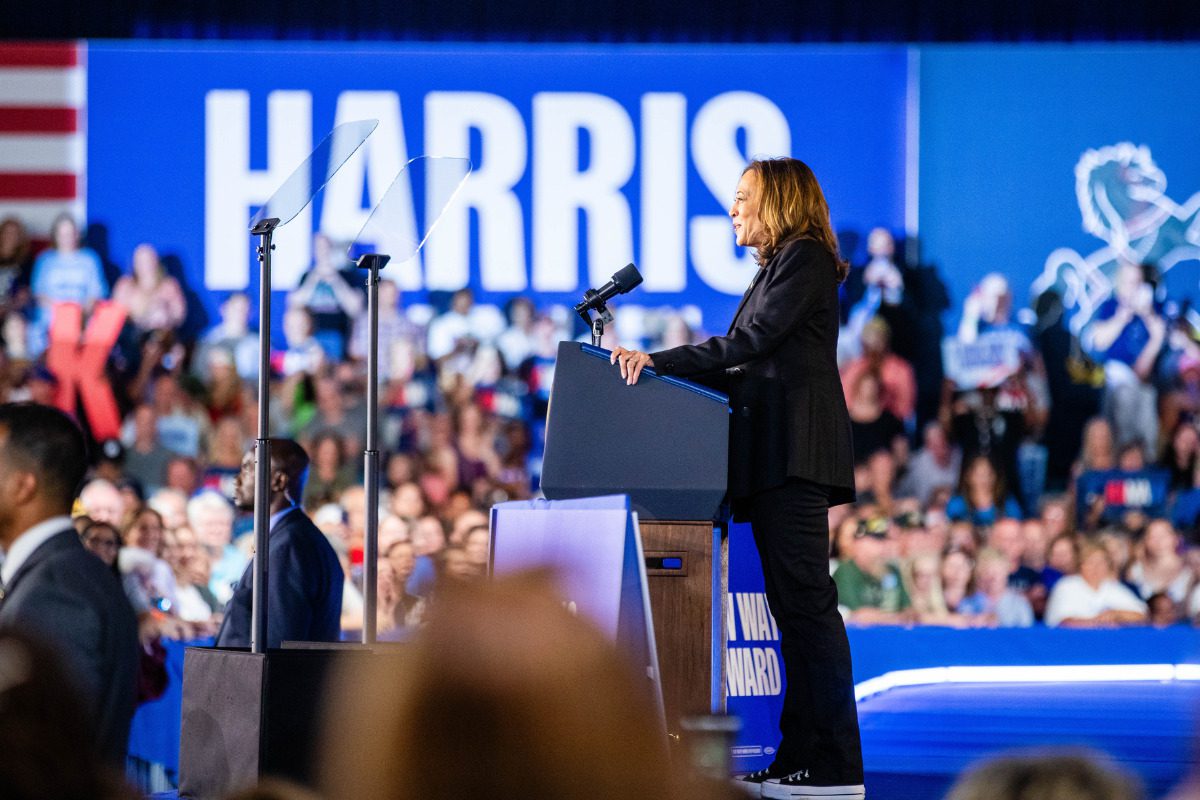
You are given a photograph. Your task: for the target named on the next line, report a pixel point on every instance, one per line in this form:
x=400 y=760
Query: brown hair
x=792 y=206
x=999 y=490
x=21 y=247
x=48 y=733
x=1049 y=775
x=1071 y=540
x=504 y=694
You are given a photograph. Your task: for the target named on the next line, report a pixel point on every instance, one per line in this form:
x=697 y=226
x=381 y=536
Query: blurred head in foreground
x=504 y=694
x=48 y=751
x=1046 y=775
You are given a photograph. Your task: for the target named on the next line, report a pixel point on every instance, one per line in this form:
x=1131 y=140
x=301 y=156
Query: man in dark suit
x=304 y=577
x=52 y=587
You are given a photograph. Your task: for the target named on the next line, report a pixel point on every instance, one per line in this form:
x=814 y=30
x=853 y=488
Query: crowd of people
x=1055 y=479
x=459 y=392
x=548 y=710
x=1025 y=471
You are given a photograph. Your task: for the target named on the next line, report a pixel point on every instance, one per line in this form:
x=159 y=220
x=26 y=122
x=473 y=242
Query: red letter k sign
x=79 y=367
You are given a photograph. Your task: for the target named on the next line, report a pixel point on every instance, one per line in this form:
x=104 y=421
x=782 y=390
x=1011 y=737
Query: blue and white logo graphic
x=1122 y=197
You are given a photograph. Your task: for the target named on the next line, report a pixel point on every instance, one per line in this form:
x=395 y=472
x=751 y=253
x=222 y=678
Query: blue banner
x=1118 y=492
x=1050 y=164
x=754 y=678
x=586 y=157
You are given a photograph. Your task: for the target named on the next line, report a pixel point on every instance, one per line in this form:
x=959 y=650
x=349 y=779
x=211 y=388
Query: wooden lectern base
x=680 y=571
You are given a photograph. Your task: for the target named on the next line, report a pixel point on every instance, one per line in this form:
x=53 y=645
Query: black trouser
x=819 y=721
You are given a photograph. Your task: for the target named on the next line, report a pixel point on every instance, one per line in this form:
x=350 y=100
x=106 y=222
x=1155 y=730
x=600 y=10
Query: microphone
x=626 y=279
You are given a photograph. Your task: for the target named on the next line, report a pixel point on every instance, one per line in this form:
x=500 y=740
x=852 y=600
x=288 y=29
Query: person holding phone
x=791 y=458
x=1127 y=335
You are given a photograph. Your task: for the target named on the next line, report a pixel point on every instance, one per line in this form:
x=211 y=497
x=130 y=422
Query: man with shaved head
x=304 y=578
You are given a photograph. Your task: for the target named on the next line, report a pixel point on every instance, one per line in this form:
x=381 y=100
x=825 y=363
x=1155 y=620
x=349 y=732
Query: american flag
x=43 y=132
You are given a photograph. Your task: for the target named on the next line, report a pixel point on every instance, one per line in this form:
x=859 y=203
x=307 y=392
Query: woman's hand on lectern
x=632 y=362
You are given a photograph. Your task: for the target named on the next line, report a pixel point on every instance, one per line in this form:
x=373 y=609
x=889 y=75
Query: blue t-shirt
x=1011 y=610
x=423 y=577
x=75 y=277
x=1050 y=576
x=1129 y=342
x=1187 y=510
x=958 y=510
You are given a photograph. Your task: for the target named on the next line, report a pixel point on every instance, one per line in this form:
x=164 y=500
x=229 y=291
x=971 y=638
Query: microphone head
x=627 y=278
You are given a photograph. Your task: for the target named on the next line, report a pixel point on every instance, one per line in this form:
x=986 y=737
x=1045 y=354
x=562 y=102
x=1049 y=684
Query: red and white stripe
x=43 y=133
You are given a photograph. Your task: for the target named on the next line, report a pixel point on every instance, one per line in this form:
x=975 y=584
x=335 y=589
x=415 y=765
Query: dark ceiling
x=609 y=20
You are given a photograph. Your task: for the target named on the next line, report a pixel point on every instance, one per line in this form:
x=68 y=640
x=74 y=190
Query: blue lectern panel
x=664 y=441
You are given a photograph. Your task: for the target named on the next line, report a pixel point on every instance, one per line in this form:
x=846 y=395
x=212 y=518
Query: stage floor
x=917 y=740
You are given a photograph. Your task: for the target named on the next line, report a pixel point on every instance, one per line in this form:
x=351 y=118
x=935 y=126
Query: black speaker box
x=249 y=715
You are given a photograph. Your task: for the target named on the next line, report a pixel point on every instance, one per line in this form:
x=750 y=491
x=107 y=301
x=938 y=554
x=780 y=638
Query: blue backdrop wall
x=586 y=157
x=589 y=156
x=1003 y=130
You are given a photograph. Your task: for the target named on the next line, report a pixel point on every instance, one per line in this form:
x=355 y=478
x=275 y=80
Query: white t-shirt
x=1073 y=598
x=1177 y=589
x=151 y=574
x=191 y=606
x=482 y=323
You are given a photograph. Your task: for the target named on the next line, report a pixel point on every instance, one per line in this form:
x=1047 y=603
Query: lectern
x=665 y=443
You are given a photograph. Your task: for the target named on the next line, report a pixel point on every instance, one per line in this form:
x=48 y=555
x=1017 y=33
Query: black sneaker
x=751 y=784
x=798 y=786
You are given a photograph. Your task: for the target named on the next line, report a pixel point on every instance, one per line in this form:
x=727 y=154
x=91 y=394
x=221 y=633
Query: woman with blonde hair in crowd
x=153 y=299
x=141 y=561
x=195 y=602
x=398 y=614
x=923 y=581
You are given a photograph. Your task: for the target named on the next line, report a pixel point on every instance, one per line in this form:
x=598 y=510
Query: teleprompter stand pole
x=373 y=263
x=262 y=444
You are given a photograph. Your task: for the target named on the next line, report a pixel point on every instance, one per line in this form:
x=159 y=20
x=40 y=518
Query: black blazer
x=68 y=597
x=778 y=363
x=304 y=589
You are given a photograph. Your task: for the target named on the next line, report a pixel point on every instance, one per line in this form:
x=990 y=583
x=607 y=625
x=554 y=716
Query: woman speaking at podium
x=790 y=459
